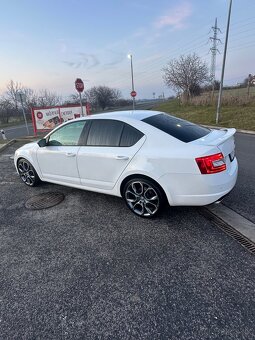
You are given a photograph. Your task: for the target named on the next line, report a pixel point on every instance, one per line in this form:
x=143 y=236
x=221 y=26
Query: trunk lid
x=223 y=139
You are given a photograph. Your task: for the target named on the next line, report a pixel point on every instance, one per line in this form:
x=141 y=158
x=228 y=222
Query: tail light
x=211 y=164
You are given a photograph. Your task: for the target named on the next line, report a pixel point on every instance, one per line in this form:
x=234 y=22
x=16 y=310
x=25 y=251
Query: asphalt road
x=90 y=269
x=242 y=197
x=18 y=131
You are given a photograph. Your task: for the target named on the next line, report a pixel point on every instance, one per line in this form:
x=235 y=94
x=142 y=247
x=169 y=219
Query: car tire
x=27 y=173
x=143 y=197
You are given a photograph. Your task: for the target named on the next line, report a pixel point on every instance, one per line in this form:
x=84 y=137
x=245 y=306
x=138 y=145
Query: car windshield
x=181 y=129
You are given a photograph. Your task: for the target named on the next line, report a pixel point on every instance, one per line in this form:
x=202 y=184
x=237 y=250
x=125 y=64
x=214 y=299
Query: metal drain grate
x=245 y=242
x=44 y=201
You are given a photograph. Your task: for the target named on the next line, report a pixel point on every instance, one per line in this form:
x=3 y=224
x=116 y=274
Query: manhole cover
x=44 y=201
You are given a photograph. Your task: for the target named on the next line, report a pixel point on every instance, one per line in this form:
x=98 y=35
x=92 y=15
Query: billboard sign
x=47 y=118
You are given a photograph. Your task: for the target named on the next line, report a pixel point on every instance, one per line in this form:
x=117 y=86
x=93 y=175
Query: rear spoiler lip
x=218 y=140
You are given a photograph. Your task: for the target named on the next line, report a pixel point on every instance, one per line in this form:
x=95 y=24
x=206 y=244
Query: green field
x=236 y=92
x=240 y=117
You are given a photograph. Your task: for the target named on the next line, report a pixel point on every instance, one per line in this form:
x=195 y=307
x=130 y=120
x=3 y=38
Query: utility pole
x=132 y=78
x=249 y=83
x=21 y=97
x=214 y=50
x=223 y=65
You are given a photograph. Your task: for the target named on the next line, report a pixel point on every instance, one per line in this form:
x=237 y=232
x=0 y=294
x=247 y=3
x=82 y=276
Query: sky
x=50 y=43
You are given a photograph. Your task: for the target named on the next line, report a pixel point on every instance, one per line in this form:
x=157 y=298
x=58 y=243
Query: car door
x=58 y=159
x=110 y=146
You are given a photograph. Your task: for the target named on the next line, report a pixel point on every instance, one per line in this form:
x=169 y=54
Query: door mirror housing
x=42 y=143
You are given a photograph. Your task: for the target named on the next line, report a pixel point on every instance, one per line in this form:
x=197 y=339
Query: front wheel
x=143 y=197
x=27 y=173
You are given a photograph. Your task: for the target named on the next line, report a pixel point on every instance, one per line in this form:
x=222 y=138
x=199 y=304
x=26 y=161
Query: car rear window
x=181 y=129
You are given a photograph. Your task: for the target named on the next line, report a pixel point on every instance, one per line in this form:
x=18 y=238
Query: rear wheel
x=27 y=173
x=143 y=197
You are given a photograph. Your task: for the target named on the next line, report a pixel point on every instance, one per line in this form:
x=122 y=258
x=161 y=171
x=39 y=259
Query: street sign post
x=20 y=97
x=79 y=85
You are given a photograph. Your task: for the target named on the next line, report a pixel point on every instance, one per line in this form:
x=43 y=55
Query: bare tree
x=74 y=98
x=103 y=96
x=6 y=110
x=31 y=98
x=12 y=89
x=185 y=74
x=9 y=104
x=47 y=98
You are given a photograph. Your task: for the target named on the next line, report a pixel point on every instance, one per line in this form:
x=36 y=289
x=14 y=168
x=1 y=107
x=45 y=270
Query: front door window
x=68 y=135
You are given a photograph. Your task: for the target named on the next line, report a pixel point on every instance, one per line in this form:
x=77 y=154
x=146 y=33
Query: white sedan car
x=147 y=157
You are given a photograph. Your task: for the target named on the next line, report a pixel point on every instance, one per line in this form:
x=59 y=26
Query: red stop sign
x=133 y=94
x=79 y=85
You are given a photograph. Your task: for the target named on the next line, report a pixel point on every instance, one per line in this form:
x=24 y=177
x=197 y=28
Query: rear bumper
x=197 y=189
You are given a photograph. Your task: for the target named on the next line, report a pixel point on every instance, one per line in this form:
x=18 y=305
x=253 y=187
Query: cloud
x=85 y=60
x=175 y=18
x=94 y=61
x=118 y=57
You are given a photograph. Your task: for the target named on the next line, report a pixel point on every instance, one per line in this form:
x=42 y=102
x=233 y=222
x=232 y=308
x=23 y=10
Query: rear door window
x=181 y=129
x=105 y=132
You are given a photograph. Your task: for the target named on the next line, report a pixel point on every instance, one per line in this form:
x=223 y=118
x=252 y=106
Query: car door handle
x=124 y=158
x=70 y=154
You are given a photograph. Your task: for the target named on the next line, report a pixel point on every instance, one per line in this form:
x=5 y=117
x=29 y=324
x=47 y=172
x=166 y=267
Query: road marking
x=236 y=221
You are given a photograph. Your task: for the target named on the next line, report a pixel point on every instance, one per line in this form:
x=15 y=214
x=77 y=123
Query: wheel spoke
x=142 y=198
x=150 y=207
x=26 y=166
x=23 y=177
x=137 y=188
x=131 y=196
x=26 y=173
x=137 y=210
x=150 y=194
x=31 y=174
x=21 y=168
x=29 y=180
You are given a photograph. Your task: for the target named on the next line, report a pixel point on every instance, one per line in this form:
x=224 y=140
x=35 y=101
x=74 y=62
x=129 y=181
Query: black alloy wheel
x=143 y=197
x=27 y=173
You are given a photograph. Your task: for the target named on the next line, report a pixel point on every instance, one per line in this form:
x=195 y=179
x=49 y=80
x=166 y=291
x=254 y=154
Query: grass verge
x=239 y=117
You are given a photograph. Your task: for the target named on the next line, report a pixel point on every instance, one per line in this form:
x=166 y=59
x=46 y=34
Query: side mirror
x=42 y=143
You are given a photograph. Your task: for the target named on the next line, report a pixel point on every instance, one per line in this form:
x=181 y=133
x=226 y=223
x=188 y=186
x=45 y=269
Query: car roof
x=136 y=114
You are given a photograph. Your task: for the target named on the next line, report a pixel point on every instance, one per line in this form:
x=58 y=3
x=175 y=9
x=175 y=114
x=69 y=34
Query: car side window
x=130 y=136
x=105 y=132
x=68 y=135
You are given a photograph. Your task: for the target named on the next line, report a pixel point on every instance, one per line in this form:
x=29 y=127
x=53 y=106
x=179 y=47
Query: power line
x=152 y=70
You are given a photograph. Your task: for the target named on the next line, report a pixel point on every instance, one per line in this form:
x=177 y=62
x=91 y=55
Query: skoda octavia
x=146 y=157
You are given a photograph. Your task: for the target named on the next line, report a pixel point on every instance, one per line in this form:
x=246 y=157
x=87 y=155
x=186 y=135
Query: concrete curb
x=234 y=220
x=4 y=146
x=222 y=127
x=12 y=141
